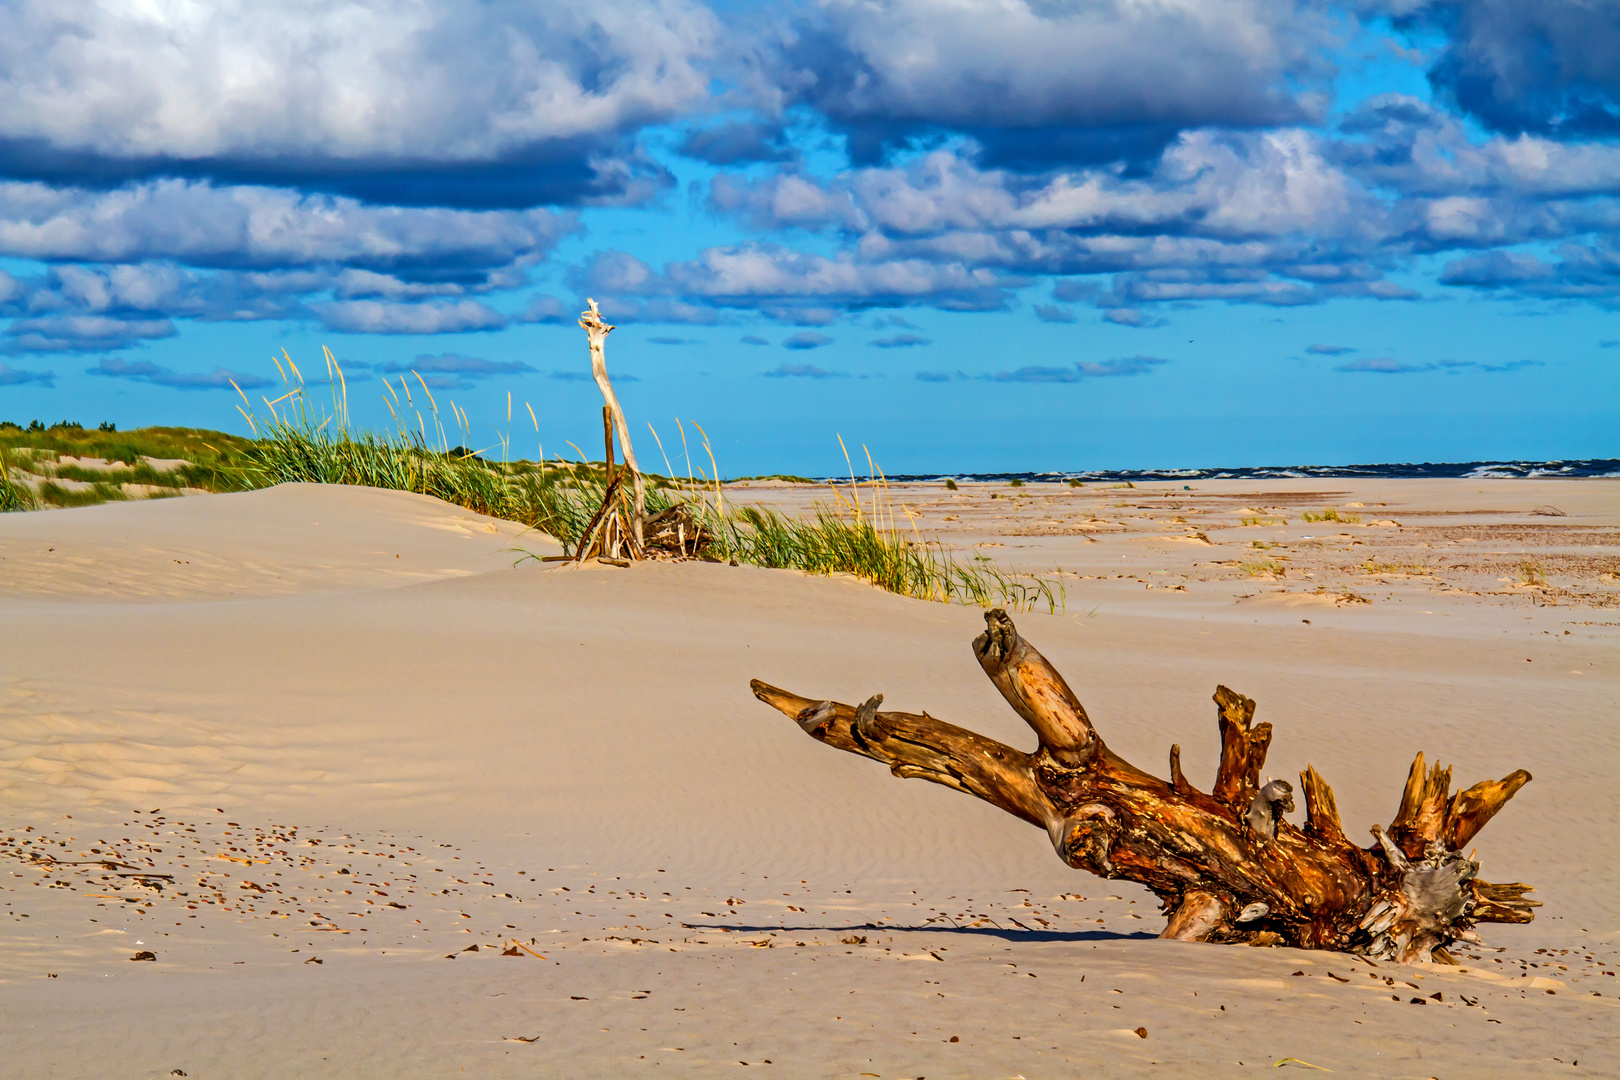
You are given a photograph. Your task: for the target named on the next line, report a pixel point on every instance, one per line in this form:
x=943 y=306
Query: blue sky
x=1016 y=234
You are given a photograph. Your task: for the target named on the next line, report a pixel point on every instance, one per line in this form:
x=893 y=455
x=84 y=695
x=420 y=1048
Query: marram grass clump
x=13 y=495
x=834 y=542
x=295 y=443
x=1331 y=514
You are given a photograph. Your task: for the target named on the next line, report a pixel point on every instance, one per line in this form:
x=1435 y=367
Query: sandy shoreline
x=370 y=669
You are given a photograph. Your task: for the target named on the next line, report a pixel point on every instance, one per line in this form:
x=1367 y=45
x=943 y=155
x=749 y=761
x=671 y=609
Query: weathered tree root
x=1227 y=866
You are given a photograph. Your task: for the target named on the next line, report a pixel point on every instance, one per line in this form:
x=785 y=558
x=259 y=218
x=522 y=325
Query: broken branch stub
x=1227 y=866
x=1035 y=691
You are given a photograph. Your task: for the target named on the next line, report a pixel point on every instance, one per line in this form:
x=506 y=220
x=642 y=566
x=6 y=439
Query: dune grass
x=140 y=473
x=296 y=441
x=51 y=493
x=834 y=542
x=13 y=495
x=209 y=460
x=1331 y=515
x=856 y=534
x=209 y=456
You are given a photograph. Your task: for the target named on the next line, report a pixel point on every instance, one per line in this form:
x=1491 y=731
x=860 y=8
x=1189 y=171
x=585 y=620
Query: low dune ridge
x=381 y=796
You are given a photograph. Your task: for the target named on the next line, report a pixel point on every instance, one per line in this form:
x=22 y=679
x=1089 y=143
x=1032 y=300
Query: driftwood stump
x=1227 y=866
x=603 y=538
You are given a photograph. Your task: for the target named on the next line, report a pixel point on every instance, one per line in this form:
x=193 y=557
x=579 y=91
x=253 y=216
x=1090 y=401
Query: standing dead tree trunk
x=606 y=536
x=1227 y=866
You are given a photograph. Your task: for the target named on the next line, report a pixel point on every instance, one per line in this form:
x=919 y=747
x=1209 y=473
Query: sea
x=1465 y=470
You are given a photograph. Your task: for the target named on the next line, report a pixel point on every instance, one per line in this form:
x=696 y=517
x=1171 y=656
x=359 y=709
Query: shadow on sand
x=1008 y=934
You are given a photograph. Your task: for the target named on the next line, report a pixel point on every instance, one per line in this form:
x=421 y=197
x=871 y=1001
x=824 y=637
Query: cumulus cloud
x=1385 y=365
x=1130 y=365
x=1037 y=83
x=155 y=374
x=1266 y=218
x=901 y=341
x=372 y=169
x=666 y=340
x=796 y=286
x=1214 y=184
x=806 y=339
x=368 y=284
x=1123 y=367
x=75 y=308
x=153 y=290
x=254 y=227
x=1134 y=318
x=452 y=371
x=741 y=143
x=753 y=339
x=1580 y=272
x=624 y=309
x=799 y=312
x=10 y=376
x=1282 y=217
x=1403 y=143
x=82 y=333
x=1548 y=66
x=384 y=317
x=542 y=308
x=457 y=103
x=1493 y=269
x=1039 y=374
x=900 y=322
x=803 y=371
x=1074 y=290
x=1329 y=350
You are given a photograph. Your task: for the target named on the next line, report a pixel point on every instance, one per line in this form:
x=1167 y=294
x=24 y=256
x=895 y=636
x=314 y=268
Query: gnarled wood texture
x=599 y=540
x=1228 y=866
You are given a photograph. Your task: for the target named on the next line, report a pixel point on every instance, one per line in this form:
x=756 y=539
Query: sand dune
x=297 y=538
x=280 y=696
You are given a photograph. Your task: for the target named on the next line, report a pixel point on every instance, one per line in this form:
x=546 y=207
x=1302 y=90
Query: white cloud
x=147 y=372
x=203 y=225
x=1007 y=69
x=382 y=317
x=357 y=80
x=1208 y=183
x=82 y=333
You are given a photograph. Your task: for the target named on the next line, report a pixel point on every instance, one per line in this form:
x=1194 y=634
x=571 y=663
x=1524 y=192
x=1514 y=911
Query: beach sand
x=362 y=735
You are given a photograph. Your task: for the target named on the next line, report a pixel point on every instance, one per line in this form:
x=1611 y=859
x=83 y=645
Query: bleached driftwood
x=1227 y=865
x=615 y=531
